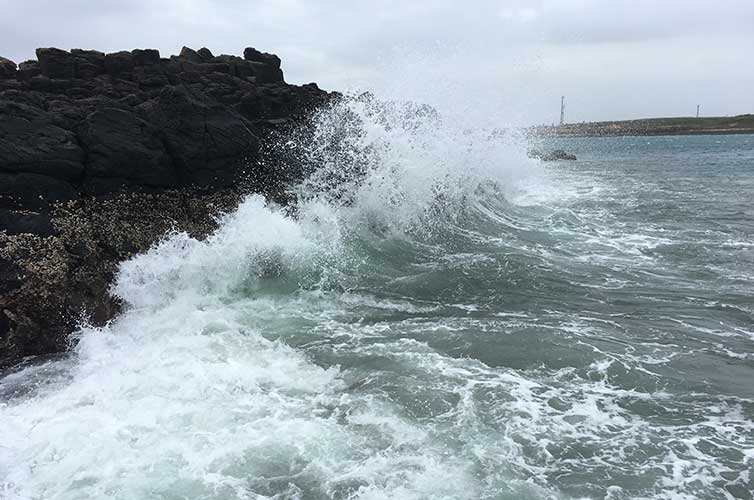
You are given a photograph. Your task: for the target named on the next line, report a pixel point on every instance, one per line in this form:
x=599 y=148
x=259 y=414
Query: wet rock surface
x=555 y=155
x=102 y=154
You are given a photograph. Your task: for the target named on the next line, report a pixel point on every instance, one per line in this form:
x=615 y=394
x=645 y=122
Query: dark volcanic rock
x=557 y=154
x=102 y=122
x=101 y=154
x=33 y=191
x=119 y=63
x=121 y=145
x=19 y=222
x=31 y=141
x=27 y=70
x=7 y=68
x=252 y=54
x=88 y=63
x=205 y=53
x=55 y=63
x=190 y=55
x=266 y=66
x=209 y=142
x=10 y=274
x=145 y=57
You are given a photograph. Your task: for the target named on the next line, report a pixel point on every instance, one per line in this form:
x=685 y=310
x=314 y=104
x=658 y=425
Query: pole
x=562 y=110
x=697 y=111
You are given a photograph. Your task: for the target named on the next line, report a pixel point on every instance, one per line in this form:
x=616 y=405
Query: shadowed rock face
x=7 y=68
x=103 y=122
x=83 y=127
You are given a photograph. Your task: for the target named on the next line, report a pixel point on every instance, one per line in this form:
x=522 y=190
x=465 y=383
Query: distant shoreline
x=723 y=125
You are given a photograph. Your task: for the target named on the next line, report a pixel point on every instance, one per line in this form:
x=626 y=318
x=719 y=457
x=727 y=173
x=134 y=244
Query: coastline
x=741 y=124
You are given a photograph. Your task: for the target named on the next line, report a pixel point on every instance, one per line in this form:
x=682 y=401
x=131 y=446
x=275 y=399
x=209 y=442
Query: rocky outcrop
x=83 y=132
x=7 y=68
x=555 y=155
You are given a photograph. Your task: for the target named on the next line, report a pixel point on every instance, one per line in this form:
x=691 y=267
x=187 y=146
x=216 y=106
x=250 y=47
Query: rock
x=244 y=69
x=55 y=63
x=7 y=68
x=88 y=63
x=10 y=275
x=557 y=154
x=264 y=73
x=208 y=141
x=265 y=67
x=122 y=146
x=41 y=83
x=197 y=69
x=118 y=63
x=145 y=57
x=190 y=55
x=238 y=67
x=252 y=54
x=150 y=76
x=31 y=143
x=16 y=222
x=205 y=54
x=27 y=70
x=217 y=67
x=33 y=191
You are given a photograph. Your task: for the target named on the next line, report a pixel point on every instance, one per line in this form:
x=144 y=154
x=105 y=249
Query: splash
x=396 y=161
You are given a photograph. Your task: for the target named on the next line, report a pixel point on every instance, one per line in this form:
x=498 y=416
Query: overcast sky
x=612 y=59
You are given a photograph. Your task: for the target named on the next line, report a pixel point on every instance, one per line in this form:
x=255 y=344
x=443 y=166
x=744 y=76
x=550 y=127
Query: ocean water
x=442 y=318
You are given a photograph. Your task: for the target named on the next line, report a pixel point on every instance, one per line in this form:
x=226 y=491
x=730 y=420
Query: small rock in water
x=557 y=154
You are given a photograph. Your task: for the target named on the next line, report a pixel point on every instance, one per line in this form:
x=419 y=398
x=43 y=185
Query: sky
x=507 y=59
